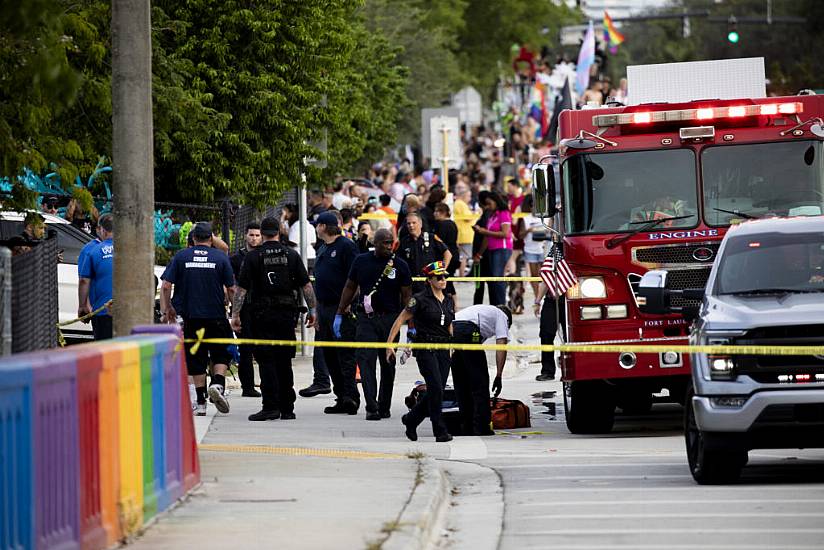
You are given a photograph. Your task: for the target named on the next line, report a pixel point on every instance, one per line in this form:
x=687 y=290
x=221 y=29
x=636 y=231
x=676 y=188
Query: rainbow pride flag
x=612 y=37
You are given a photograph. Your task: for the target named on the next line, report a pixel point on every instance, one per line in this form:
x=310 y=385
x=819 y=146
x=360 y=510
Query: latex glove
x=336 y=325
x=497 y=386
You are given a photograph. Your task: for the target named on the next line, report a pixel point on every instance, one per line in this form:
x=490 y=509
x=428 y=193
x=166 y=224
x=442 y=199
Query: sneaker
x=411 y=432
x=373 y=416
x=314 y=390
x=200 y=409
x=252 y=392
x=264 y=415
x=545 y=377
x=217 y=397
x=443 y=438
x=287 y=416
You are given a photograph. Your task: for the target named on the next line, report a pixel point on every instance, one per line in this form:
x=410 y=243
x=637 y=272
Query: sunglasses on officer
x=438 y=277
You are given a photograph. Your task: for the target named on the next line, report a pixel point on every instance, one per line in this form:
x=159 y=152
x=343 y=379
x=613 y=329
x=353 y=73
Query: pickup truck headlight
x=588 y=287
x=722 y=367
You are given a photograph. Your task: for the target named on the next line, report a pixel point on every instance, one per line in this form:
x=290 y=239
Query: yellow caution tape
x=511 y=279
x=462 y=217
x=567 y=348
x=61 y=339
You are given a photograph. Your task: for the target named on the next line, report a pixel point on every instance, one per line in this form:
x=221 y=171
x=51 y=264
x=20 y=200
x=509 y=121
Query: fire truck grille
x=696 y=253
x=678 y=279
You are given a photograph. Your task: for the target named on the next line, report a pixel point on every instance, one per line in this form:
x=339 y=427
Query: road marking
x=670 y=546
x=692 y=488
x=725 y=515
x=298 y=451
x=467 y=448
x=676 y=502
x=690 y=531
x=581 y=465
x=610 y=477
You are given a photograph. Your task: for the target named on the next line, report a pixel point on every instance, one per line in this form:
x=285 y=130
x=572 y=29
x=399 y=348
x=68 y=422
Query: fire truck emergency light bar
x=706 y=113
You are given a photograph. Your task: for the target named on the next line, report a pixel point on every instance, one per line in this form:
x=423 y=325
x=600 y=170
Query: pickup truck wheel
x=589 y=406
x=709 y=467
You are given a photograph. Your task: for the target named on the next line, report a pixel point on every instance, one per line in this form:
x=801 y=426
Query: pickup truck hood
x=745 y=312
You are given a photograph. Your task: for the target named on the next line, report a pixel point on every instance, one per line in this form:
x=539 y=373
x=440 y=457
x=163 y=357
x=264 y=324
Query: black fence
x=34 y=306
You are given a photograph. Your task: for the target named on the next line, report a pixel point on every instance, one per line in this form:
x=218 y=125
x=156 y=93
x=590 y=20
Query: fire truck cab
x=656 y=186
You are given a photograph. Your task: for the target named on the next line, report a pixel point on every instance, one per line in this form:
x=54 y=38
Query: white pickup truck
x=70 y=240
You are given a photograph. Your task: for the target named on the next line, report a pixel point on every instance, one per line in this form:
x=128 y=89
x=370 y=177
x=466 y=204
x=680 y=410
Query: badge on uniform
x=391 y=274
x=411 y=303
x=334 y=253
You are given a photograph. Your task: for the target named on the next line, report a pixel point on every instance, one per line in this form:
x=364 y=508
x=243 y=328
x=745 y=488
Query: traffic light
x=732 y=30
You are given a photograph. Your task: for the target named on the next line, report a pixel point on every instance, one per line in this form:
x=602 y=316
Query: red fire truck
x=655 y=186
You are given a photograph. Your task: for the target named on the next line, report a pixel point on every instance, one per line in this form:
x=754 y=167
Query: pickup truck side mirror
x=655 y=298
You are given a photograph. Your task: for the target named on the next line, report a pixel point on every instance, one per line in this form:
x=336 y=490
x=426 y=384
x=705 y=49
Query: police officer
x=271 y=275
x=332 y=264
x=200 y=274
x=384 y=281
x=419 y=248
x=245 y=370
x=432 y=311
x=470 y=374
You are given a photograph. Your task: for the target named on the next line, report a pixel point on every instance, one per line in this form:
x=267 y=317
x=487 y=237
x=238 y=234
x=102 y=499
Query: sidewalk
x=320 y=481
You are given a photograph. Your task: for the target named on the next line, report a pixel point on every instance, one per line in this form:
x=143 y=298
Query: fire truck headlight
x=593 y=287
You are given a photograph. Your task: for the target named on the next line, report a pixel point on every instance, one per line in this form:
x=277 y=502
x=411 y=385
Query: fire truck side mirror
x=653 y=295
x=543 y=191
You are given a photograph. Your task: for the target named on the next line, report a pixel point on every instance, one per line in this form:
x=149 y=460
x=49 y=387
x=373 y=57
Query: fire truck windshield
x=762 y=180
x=612 y=192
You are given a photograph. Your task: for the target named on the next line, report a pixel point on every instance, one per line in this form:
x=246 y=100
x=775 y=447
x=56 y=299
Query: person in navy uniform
x=475 y=325
x=419 y=248
x=202 y=277
x=332 y=265
x=432 y=311
x=384 y=281
x=271 y=275
x=245 y=370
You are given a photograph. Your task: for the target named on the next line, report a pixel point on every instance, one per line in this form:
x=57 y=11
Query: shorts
x=465 y=251
x=218 y=353
x=533 y=257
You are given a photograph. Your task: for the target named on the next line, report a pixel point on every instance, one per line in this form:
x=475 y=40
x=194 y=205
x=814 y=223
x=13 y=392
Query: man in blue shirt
x=332 y=264
x=94 y=269
x=202 y=276
x=385 y=284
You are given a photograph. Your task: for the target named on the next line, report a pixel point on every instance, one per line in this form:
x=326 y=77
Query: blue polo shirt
x=199 y=275
x=367 y=269
x=97 y=265
x=332 y=265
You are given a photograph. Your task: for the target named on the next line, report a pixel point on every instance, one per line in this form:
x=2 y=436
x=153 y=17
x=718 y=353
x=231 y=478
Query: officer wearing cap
x=470 y=374
x=272 y=274
x=432 y=311
x=419 y=248
x=384 y=281
x=200 y=274
x=332 y=264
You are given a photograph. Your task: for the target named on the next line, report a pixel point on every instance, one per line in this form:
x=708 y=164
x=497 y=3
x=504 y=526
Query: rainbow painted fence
x=94 y=440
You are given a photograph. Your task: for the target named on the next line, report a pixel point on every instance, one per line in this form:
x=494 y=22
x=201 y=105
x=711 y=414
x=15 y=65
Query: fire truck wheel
x=709 y=466
x=589 y=406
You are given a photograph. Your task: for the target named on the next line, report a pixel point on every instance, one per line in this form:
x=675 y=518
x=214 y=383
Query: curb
x=421 y=519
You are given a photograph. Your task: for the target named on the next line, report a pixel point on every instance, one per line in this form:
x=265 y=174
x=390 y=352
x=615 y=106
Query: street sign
x=426 y=143
x=448 y=129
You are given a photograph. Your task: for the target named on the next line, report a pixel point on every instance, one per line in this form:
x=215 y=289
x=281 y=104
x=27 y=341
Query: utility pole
x=132 y=162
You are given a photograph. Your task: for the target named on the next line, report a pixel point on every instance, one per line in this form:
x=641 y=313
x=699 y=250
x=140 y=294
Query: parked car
x=765 y=288
x=70 y=241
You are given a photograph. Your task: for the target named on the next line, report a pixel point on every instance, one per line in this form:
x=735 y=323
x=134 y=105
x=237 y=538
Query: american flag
x=556 y=273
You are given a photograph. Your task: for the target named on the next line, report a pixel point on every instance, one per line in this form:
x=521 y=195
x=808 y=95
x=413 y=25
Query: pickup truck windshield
x=772 y=263
x=762 y=180
x=613 y=192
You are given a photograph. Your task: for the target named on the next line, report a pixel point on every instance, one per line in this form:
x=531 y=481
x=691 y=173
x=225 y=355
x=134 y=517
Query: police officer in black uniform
x=419 y=248
x=432 y=311
x=245 y=370
x=384 y=281
x=271 y=275
x=334 y=260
